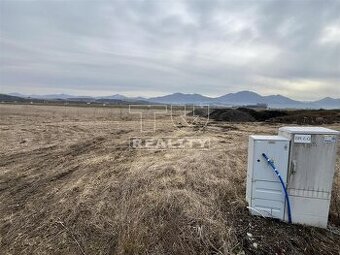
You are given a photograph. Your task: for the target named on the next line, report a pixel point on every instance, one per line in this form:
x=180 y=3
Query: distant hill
x=9 y=98
x=45 y=97
x=241 y=98
x=180 y=98
x=327 y=102
x=57 y=98
x=117 y=96
x=247 y=98
x=127 y=101
x=15 y=95
x=123 y=98
x=278 y=100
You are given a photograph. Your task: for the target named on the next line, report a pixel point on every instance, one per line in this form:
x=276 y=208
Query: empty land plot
x=70 y=184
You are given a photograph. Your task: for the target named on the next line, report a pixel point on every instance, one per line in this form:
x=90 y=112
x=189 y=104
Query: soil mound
x=232 y=115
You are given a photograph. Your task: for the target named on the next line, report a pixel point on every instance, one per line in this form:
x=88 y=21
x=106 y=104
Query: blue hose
x=270 y=162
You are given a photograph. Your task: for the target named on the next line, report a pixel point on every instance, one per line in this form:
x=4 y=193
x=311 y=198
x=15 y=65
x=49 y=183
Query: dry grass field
x=69 y=184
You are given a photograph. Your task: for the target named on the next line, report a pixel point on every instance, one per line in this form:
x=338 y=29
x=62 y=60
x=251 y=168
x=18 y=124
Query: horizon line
x=122 y=94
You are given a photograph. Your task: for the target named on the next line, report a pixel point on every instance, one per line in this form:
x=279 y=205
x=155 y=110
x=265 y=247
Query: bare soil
x=70 y=184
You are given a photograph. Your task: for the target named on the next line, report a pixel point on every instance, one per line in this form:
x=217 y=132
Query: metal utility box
x=311 y=170
x=264 y=191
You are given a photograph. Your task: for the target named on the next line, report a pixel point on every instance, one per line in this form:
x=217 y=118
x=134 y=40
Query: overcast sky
x=149 y=48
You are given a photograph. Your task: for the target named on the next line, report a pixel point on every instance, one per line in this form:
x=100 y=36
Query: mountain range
x=232 y=99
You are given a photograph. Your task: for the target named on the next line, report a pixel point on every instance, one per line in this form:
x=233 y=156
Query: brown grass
x=70 y=185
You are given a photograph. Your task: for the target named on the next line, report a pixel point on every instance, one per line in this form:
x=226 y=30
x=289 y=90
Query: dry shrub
x=170 y=209
x=334 y=214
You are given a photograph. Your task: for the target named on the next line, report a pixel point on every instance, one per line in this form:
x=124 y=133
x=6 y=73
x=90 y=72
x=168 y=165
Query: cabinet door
x=267 y=194
x=312 y=167
x=275 y=150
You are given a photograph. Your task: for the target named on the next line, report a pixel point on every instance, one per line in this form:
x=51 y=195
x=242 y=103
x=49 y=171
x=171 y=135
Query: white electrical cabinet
x=305 y=158
x=311 y=170
x=265 y=195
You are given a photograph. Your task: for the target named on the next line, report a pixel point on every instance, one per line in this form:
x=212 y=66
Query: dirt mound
x=239 y=115
x=232 y=115
x=263 y=115
x=301 y=117
x=309 y=117
x=200 y=111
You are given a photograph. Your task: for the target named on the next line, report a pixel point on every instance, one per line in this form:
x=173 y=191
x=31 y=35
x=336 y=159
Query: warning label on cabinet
x=329 y=138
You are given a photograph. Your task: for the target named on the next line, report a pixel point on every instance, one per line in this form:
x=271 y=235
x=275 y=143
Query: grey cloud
x=209 y=47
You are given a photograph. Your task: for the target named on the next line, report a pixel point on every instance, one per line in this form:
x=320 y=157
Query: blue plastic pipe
x=270 y=162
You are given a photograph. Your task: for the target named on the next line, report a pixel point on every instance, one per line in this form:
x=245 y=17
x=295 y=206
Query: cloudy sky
x=149 y=48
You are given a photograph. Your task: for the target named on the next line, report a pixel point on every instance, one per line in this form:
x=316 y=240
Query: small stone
x=255 y=245
x=249 y=234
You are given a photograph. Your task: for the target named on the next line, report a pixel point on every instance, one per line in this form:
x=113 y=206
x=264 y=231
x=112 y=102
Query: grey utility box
x=264 y=191
x=311 y=170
